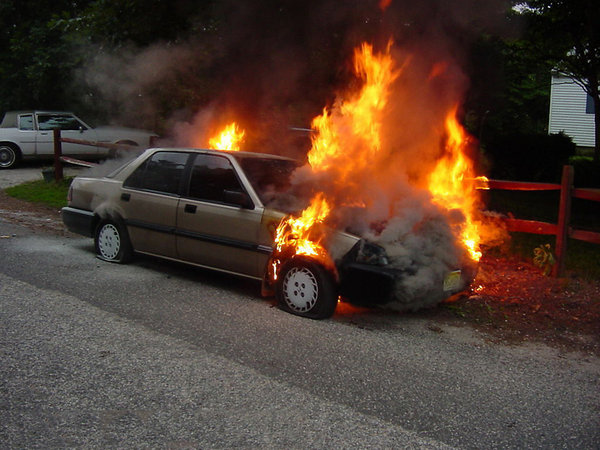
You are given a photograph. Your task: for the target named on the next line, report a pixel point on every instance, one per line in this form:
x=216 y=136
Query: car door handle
x=125 y=197
x=190 y=209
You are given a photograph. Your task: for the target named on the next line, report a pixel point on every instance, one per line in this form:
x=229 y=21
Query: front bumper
x=78 y=220
x=369 y=285
x=366 y=285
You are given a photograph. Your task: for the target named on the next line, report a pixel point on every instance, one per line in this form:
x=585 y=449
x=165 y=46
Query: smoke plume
x=271 y=66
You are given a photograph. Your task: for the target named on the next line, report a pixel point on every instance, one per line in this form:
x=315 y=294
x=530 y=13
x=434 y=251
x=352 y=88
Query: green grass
x=51 y=194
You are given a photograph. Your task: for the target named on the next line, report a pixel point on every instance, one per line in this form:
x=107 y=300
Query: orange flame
x=350 y=147
x=329 y=152
x=452 y=185
x=297 y=233
x=362 y=115
x=230 y=138
x=383 y=4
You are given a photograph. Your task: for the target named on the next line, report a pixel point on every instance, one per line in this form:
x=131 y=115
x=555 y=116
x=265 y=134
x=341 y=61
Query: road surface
x=156 y=354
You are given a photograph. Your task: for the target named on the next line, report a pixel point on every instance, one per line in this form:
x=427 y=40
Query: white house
x=571 y=111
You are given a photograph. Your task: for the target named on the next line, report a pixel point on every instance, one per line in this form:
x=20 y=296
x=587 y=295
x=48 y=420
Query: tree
x=567 y=33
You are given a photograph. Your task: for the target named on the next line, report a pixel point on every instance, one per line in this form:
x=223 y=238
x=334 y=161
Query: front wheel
x=112 y=242
x=306 y=289
x=9 y=156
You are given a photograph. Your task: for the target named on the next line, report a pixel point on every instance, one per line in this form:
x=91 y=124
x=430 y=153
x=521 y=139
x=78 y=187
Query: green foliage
x=529 y=157
x=510 y=88
x=587 y=171
x=544 y=258
x=566 y=32
x=52 y=194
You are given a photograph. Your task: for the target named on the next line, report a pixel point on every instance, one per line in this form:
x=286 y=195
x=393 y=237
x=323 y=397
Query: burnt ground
x=510 y=301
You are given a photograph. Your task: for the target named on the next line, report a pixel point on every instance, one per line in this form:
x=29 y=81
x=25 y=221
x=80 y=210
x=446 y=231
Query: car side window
x=211 y=176
x=162 y=172
x=26 y=122
x=60 y=121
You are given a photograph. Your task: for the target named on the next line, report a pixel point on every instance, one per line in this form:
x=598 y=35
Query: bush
x=587 y=172
x=530 y=157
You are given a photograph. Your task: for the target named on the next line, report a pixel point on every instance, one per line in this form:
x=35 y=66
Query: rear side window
x=60 y=121
x=26 y=122
x=211 y=176
x=162 y=172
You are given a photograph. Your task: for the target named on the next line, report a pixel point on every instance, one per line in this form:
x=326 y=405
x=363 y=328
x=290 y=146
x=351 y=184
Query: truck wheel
x=306 y=289
x=9 y=156
x=112 y=242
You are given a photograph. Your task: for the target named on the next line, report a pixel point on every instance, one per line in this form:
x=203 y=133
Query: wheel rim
x=300 y=289
x=109 y=241
x=7 y=157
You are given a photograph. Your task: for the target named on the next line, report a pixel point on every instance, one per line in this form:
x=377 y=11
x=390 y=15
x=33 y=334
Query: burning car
x=215 y=209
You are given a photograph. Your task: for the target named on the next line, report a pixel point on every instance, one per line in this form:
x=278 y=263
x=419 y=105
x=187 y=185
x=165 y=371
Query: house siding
x=568 y=114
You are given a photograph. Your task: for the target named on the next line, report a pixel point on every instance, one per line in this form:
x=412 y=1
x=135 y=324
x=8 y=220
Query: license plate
x=452 y=281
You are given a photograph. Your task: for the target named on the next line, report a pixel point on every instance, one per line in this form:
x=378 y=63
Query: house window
x=589 y=105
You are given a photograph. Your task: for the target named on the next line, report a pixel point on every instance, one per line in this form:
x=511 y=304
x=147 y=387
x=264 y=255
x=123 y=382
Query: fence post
x=58 y=168
x=564 y=220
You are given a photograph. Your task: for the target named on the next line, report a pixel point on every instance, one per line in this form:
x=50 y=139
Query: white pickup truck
x=29 y=135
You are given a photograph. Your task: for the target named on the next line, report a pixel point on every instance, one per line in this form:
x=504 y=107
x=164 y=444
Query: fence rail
x=59 y=158
x=563 y=229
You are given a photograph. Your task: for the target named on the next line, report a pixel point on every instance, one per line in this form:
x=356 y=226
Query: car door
x=71 y=127
x=149 y=200
x=26 y=134
x=212 y=229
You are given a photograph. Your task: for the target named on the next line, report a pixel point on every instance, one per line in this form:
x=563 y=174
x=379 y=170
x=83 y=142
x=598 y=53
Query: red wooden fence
x=563 y=229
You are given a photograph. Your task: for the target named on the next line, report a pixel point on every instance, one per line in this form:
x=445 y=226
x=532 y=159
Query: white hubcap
x=300 y=289
x=109 y=241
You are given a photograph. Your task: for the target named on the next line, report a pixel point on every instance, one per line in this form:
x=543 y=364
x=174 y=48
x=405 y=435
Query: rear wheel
x=112 y=242
x=306 y=289
x=9 y=156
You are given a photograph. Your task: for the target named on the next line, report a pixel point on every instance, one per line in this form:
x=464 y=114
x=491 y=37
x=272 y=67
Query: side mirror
x=80 y=129
x=238 y=198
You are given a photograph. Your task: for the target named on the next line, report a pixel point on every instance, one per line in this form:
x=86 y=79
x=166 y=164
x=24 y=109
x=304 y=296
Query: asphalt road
x=156 y=354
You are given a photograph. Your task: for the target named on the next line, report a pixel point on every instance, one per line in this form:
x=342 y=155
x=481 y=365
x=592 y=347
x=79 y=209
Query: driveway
x=30 y=171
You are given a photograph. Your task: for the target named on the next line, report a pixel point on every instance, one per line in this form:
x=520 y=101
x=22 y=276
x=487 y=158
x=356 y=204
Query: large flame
x=349 y=148
x=229 y=138
x=453 y=185
x=329 y=152
x=362 y=115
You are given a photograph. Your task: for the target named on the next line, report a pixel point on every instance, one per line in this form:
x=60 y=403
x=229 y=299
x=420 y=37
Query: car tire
x=9 y=156
x=112 y=242
x=307 y=289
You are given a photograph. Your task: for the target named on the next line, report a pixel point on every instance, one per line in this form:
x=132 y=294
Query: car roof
x=235 y=154
x=10 y=117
